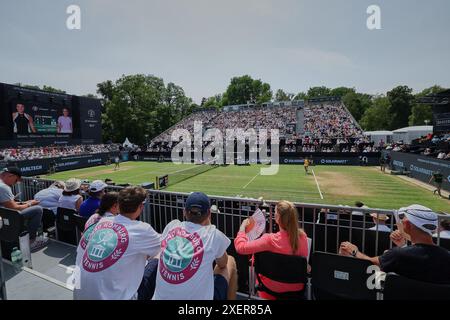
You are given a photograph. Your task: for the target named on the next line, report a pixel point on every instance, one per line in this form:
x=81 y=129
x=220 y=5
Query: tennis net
x=184 y=174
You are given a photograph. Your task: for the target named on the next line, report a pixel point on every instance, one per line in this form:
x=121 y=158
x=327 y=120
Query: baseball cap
x=198 y=200
x=97 y=185
x=422 y=217
x=13 y=170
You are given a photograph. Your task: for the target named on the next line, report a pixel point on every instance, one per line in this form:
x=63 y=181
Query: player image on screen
x=65 y=122
x=23 y=122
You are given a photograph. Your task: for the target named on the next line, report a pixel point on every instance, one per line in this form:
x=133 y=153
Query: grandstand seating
x=400 y=288
x=66 y=229
x=290 y=269
x=11 y=232
x=337 y=277
x=326 y=125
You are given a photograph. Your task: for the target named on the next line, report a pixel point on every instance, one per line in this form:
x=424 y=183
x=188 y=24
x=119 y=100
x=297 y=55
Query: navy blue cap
x=13 y=170
x=198 y=200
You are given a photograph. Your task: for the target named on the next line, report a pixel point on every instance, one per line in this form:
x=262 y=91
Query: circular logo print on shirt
x=182 y=255
x=106 y=246
x=86 y=236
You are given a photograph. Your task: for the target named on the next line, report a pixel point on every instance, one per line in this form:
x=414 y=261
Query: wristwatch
x=354 y=253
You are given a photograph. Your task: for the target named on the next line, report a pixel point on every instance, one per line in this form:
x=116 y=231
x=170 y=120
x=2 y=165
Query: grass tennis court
x=338 y=184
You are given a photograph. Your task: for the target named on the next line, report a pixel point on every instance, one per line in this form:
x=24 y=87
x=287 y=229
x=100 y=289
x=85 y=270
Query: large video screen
x=31 y=117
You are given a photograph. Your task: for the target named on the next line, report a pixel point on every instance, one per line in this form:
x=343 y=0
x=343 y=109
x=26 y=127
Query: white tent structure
x=378 y=136
x=128 y=144
x=408 y=134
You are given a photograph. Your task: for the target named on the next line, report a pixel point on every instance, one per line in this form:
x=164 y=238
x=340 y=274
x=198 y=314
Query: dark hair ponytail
x=108 y=200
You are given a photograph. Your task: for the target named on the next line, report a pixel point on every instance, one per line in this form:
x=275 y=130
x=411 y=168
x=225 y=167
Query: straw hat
x=380 y=216
x=72 y=185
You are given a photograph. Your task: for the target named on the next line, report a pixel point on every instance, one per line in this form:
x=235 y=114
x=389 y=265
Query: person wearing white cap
x=423 y=260
x=91 y=204
x=71 y=198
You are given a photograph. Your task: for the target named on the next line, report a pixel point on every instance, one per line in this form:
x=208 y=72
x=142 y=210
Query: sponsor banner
x=336 y=161
x=421 y=167
x=42 y=166
x=371 y=159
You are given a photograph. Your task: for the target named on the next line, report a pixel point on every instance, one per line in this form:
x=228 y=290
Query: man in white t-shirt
x=188 y=250
x=114 y=264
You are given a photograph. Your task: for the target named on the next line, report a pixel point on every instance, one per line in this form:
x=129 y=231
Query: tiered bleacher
x=313 y=127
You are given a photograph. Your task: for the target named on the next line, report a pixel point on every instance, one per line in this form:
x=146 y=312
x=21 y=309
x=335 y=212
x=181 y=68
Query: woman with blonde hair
x=290 y=240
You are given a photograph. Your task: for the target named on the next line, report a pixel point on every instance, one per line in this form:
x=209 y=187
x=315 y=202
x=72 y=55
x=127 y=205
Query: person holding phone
x=422 y=260
x=30 y=210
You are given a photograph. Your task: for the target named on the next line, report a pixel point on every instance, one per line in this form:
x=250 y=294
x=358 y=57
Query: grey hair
x=58 y=184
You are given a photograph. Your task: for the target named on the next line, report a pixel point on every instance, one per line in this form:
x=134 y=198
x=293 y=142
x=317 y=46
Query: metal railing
x=327 y=225
x=336 y=221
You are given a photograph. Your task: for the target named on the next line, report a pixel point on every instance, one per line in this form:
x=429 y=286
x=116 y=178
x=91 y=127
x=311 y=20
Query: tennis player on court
x=306 y=165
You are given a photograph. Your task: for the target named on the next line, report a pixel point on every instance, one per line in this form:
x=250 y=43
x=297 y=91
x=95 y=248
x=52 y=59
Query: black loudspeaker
x=148 y=185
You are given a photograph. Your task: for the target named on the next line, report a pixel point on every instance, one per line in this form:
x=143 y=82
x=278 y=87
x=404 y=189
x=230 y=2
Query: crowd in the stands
x=23 y=153
x=326 y=127
x=432 y=145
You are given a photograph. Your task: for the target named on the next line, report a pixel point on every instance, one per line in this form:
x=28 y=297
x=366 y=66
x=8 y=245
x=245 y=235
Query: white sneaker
x=38 y=243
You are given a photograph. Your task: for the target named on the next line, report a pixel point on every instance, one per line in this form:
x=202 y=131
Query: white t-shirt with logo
x=113 y=263
x=185 y=269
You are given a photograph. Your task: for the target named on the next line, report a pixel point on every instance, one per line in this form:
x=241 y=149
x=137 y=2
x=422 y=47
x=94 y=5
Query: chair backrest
x=12 y=225
x=48 y=218
x=400 y=288
x=281 y=267
x=444 y=242
x=66 y=229
x=337 y=277
x=80 y=222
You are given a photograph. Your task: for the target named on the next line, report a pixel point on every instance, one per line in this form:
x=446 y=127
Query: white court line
x=318 y=188
x=250 y=181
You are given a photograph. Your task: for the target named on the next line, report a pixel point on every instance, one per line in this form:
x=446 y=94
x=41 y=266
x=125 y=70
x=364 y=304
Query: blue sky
x=201 y=44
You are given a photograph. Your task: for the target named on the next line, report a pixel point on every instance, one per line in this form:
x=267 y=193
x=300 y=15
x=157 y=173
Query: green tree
x=377 y=116
x=52 y=89
x=401 y=100
x=212 y=102
x=315 y=92
x=341 y=91
x=280 y=95
x=139 y=105
x=245 y=89
x=357 y=103
x=301 y=96
x=421 y=113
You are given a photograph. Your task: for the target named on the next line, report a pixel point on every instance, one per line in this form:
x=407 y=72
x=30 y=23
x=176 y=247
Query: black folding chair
x=336 y=277
x=281 y=268
x=66 y=230
x=80 y=222
x=13 y=234
x=48 y=221
x=444 y=242
x=397 y=287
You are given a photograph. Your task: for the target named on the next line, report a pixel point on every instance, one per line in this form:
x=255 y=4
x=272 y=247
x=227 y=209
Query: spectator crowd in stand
x=327 y=127
x=20 y=153
x=432 y=145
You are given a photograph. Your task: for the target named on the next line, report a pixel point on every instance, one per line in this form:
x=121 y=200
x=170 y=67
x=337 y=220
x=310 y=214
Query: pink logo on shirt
x=182 y=255
x=106 y=246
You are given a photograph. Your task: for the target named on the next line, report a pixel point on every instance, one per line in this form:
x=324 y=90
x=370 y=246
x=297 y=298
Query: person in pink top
x=290 y=240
